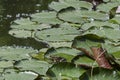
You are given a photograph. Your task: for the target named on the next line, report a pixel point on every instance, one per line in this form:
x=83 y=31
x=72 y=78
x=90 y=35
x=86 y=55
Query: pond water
x=15 y=9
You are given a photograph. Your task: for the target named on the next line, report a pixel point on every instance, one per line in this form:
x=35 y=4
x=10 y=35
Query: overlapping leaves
x=98 y=31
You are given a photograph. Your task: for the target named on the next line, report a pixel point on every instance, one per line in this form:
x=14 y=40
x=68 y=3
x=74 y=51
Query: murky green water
x=15 y=9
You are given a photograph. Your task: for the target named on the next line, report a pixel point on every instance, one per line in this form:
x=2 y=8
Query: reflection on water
x=13 y=9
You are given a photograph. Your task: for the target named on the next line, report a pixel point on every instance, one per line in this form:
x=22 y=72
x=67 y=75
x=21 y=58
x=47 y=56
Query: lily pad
x=107 y=7
x=81 y=16
x=18 y=53
x=46 y=18
x=66 y=33
x=27 y=24
x=67 y=3
x=87 y=41
x=19 y=76
x=6 y=64
x=111 y=34
x=100 y=74
x=63 y=52
x=100 y=25
x=60 y=70
x=39 y=67
x=21 y=33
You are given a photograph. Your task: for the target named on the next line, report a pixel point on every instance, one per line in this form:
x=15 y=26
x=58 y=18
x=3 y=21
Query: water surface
x=15 y=9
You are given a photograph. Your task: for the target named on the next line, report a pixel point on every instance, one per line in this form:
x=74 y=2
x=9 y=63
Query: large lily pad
x=64 y=33
x=18 y=53
x=81 y=16
x=86 y=42
x=24 y=28
x=67 y=3
x=63 y=52
x=19 y=76
x=100 y=74
x=46 y=18
x=36 y=66
x=60 y=70
x=21 y=33
x=26 y=24
x=100 y=25
x=111 y=34
x=107 y=7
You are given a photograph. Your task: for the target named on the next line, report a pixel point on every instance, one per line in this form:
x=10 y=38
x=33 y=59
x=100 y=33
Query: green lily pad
x=98 y=24
x=87 y=41
x=36 y=66
x=115 y=20
x=19 y=76
x=46 y=18
x=81 y=16
x=60 y=44
x=66 y=33
x=83 y=60
x=65 y=69
x=111 y=34
x=27 y=24
x=18 y=53
x=100 y=74
x=67 y=3
x=63 y=52
x=6 y=64
x=107 y=7
x=21 y=33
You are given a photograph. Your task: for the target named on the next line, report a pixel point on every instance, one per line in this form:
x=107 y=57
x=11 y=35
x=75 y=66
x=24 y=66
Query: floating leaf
x=19 y=76
x=36 y=66
x=6 y=64
x=46 y=18
x=100 y=25
x=100 y=74
x=67 y=3
x=65 y=69
x=107 y=7
x=111 y=34
x=83 y=60
x=63 y=52
x=18 y=53
x=66 y=33
x=115 y=20
x=86 y=42
x=60 y=44
x=27 y=24
x=81 y=16
x=21 y=33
